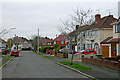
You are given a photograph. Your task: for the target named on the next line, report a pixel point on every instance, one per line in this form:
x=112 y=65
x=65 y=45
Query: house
x=60 y=40
x=21 y=42
x=46 y=42
x=95 y=33
x=2 y=44
x=70 y=39
x=111 y=45
x=90 y=36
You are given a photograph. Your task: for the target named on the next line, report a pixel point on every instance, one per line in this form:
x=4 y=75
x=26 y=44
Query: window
x=50 y=43
x=116 y=29
x=96 y=33
x=86 y=51
x=54 y=42
x=97 y=48
x=91 y=51
x=89 y=46
x=62 y=42
x=82 y=46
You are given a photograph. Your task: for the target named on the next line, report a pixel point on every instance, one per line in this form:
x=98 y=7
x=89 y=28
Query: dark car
x=4 y=51
x=15 y=53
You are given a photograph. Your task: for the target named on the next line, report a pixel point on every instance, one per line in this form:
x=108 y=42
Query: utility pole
x=10 y=37
x=38 y=41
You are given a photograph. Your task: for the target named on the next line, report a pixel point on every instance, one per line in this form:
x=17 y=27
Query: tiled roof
x=110 y=40
x=3 y=41
x=45 y=40
x=60 y=38
x=20 y=39
x=104 y=22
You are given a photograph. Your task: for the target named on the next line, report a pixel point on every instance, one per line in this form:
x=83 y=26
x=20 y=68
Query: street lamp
x=10 y=37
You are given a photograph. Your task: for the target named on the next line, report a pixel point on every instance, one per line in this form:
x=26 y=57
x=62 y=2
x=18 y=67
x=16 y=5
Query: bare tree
x=3 y=32
x=80 y=17
x=83 y=19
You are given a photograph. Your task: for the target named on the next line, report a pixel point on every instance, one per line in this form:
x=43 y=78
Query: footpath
x=98 y=72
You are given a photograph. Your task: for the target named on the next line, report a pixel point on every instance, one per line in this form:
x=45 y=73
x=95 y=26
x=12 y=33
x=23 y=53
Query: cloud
x=27 y=17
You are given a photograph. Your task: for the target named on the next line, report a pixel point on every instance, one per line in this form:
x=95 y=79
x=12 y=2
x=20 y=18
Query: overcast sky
x=27 y=17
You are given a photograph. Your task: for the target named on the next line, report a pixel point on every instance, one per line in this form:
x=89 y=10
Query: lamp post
x=38 y=42
x=10 y=37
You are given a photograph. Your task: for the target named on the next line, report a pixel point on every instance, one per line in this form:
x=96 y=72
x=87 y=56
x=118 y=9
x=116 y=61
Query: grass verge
x=1 y=64
x=11 y=56
x=75 y=65
x=48 y=57
x=6 y=59
x=40 y=54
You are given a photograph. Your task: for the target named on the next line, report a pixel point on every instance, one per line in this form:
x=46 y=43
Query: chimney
x=97 y=17
x=77 y=26
x=111 y=15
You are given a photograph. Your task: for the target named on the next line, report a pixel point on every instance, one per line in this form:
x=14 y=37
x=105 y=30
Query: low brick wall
x=106 y=63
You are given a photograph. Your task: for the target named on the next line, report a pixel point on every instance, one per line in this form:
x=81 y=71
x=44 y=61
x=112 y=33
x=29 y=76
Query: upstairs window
x=54 y=42
x=117 y=28
x=62 y=42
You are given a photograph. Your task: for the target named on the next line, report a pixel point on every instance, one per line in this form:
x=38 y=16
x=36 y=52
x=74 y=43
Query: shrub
x=62 y=47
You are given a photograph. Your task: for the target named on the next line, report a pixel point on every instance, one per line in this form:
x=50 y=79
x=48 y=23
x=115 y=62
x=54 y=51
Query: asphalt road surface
x=30 y=65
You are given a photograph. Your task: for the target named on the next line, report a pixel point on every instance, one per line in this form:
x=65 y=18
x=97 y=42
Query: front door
x=113 y=51
x=105 y=51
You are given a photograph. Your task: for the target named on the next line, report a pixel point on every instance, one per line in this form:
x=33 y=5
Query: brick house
x=46 y=42
x=2 y=44
x=111 y=45
x=60 y=40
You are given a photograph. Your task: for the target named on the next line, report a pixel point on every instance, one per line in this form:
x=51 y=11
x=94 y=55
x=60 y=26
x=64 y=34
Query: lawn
x=75 y=65
x=48 y=57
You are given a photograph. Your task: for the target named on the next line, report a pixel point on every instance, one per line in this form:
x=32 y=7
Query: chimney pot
x=97 y=17
x=77 y=26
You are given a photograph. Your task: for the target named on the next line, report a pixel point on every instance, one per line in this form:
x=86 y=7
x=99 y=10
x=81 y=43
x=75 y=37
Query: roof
x=110 y=40
x=60 y=38
x=46 y=40
x=78 y=30
x=20 y=39
x=116 y=22
x=3 y=41
x=104 y=22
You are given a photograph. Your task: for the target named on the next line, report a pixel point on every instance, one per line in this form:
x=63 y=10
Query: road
x=30 y=65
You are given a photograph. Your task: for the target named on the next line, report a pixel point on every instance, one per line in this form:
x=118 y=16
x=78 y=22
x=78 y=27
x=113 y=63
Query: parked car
x=87 y=51
x=4 y=51
x=67 y=50
x=15 y=53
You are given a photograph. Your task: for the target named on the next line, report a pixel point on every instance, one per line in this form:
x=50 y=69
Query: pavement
x=96 y=71
x=30 y=65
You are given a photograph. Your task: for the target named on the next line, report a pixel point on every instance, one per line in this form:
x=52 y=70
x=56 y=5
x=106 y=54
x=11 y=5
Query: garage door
x=105 y=51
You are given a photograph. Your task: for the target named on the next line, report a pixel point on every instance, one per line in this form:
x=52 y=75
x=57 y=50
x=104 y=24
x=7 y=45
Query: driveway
x=30 y=65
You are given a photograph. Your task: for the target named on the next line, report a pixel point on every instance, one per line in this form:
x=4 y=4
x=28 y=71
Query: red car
x=15 y=53
x=87 y=51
